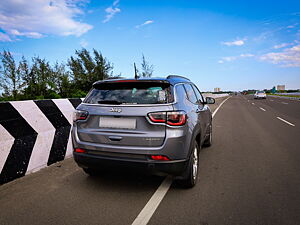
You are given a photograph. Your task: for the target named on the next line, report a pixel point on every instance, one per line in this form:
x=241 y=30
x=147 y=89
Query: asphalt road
x=250 y=175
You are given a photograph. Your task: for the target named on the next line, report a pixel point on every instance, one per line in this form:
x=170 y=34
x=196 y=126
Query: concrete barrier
x=33 y=135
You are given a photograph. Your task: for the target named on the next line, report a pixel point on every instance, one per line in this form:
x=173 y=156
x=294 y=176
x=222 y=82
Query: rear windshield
x=260 y=92
x=130 y=93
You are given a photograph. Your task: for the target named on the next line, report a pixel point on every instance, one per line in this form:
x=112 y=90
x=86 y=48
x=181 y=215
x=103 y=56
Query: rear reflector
x=79 y=150
x=160 y=157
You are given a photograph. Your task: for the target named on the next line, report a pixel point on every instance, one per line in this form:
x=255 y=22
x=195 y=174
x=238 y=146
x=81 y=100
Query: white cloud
x=84 y=43
x=115 y=3
x=233 y=58
x=111 y=11
x=26 y=34
x=289 y=57
x=229 y=58
x=4 y=37
x=282 y=45
x=37 y=18
x=234 y=43
x=145 y=23
x=247 y=55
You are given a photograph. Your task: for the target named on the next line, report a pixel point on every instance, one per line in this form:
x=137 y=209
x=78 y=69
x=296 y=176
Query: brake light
x=176 y=118
x=160 y=157
x=124 y=81
x=80 y=115
x=79 y=150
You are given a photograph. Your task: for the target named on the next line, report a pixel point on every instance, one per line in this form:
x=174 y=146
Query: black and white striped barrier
x=33 y=135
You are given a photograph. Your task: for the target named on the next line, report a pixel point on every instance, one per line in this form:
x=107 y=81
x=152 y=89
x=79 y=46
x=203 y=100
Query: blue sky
x=233 y=45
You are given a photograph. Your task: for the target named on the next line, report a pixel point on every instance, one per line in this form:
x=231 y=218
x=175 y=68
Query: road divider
x=34 y=134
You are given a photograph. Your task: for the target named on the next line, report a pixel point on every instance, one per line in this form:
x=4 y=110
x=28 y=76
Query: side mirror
x=210 y=100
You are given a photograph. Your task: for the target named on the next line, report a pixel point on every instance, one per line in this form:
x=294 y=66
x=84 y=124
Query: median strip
x=149 y=209
x=287 y=122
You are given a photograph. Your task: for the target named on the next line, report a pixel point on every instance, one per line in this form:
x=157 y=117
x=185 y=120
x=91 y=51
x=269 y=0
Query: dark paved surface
x=251 y=175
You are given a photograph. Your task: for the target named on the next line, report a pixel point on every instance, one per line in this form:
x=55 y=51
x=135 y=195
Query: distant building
x=217 y=89
x=280 y=87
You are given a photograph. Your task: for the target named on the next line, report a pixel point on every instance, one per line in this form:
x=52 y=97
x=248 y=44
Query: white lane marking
x=252 y=103
x=219 y=106
x=147 y=212
x=286 y=121
x=284 y=103
x=262 y=109
x=271 y=100
x=149 y=209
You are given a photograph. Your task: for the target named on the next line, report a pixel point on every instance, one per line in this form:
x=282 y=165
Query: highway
x=250 y=175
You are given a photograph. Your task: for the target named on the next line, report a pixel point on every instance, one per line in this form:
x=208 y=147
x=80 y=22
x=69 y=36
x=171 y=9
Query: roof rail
x=177 y=76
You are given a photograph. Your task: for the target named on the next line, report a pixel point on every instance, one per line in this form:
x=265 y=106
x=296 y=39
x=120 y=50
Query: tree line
x=37 y=78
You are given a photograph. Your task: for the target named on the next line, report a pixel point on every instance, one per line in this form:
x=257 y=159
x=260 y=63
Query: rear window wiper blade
x=110 y=102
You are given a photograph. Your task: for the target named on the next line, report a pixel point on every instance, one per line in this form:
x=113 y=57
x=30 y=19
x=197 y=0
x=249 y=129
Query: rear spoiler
x=106 y=83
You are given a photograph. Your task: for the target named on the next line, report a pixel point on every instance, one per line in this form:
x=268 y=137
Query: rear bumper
x=86 y=160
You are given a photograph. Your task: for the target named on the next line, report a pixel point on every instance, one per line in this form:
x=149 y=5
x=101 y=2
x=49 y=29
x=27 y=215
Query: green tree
x=10 y=79
x=41 y=77
x=147 y=69
x=87 y=68
x=61 y=81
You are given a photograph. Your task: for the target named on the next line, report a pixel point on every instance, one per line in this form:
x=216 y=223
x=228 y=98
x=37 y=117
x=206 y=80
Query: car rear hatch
x=118 y=113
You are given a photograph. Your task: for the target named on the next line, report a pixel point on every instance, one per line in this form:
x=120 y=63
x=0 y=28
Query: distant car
x=156 y=123
x=260 y=95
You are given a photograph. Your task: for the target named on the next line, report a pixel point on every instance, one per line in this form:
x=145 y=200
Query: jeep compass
x=155 y=123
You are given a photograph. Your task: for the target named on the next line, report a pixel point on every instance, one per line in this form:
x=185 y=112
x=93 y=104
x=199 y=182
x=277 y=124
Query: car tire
x=191 y=172
x=90 y=171
x=208 y=140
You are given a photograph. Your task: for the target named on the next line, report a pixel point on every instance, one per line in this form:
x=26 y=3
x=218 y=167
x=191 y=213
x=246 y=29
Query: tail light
x=160 y=157
x=158 y=117
x=80 y=115
x=176 y=118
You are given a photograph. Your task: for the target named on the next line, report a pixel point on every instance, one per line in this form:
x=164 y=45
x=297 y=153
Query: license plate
x=117 y=123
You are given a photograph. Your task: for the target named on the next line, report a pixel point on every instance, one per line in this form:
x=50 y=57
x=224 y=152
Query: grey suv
x=155 y=123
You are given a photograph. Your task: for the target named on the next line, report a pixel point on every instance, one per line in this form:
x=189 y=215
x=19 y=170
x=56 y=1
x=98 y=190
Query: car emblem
x=118 y=110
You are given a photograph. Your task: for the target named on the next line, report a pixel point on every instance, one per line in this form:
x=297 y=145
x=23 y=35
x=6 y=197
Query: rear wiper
x=110 y=102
